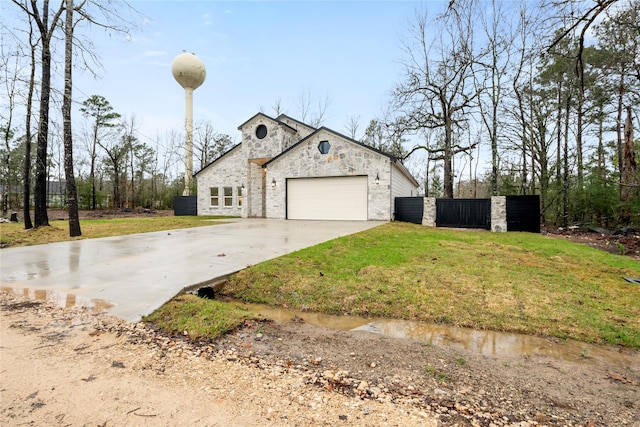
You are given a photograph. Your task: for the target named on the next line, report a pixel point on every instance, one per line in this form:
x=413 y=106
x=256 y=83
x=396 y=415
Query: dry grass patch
x=14 y=234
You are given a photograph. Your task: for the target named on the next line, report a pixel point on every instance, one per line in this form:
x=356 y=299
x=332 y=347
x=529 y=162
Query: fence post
x=498 y=214
x=429 y=215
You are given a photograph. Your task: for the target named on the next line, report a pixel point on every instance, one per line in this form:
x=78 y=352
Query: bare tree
x=210 y=144
x=10 y=80
x=26 y=170
x=46 y=28
x=437 y=89
x=352 y=126
x=72 y=194
x=494 y=66
x=277 y=107
x=312 y=108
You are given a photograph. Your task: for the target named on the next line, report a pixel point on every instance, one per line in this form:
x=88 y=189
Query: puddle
x=488 y=343
x=60 y=298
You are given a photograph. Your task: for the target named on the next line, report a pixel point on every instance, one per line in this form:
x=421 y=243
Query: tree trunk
x=26 y=171
x=619 y=126
x=565 y=166
x=628 y=190
x=41 y=218
x=447 y=157
x=72 y=196
x=92 y=171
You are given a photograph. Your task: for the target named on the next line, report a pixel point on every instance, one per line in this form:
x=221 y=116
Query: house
x=285 y=169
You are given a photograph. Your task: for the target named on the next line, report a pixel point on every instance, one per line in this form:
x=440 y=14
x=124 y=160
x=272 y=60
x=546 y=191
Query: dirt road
x=70 y=367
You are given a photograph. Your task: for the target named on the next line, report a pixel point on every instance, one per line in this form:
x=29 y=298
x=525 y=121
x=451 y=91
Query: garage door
x=338 y=198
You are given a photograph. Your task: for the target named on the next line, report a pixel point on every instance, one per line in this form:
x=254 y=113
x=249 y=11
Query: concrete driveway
x=131 y=276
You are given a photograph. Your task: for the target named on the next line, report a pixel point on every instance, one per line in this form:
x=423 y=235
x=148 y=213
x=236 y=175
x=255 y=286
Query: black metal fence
x=463 y=213
x=409 y=209
x=523 y=212
x=185 y=206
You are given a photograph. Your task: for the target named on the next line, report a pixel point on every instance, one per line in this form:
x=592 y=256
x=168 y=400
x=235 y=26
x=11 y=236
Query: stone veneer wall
x=499 y=214
x=344 y=159
x=429 y=214
x=230 y=171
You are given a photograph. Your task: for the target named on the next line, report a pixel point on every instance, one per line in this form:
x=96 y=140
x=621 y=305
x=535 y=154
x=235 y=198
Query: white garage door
x=339 y=198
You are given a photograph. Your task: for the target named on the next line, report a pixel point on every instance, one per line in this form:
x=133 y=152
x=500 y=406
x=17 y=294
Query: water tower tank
x=188 y=70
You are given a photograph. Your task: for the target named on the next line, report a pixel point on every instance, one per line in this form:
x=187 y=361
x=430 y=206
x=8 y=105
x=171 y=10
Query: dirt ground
x=75 y=367
x=72 y=366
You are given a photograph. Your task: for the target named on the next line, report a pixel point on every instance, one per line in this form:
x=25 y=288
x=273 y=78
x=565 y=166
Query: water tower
x=189 y=71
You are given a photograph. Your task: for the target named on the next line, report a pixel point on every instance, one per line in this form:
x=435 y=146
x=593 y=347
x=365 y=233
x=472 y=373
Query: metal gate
x=523 y=213
x=409 y=209
x=463 y=213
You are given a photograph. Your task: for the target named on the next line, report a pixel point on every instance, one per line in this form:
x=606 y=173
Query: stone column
x=499 y=214
x=429 y=214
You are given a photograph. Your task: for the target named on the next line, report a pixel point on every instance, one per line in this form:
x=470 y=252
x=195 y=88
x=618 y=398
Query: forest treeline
x=544 y=93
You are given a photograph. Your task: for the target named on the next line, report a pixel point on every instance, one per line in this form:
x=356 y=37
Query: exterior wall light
x=242 y=186
x=273 y=183
x=377 y=181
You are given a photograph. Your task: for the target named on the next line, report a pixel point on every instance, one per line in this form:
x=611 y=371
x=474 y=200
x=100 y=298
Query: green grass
x=14 y=234
x=516 y=282
x=200 y=318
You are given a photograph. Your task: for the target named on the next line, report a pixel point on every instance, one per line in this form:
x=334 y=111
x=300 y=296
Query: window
x=261 y=131
x=215 y=200
x=324 y=147
x=228 y=196
x=239 y=190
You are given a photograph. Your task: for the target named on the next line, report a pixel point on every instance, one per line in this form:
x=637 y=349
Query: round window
x=261 y=131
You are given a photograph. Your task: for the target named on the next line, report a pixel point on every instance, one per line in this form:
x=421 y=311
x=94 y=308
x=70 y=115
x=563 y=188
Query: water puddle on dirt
x=60 y=298
x=488 y=343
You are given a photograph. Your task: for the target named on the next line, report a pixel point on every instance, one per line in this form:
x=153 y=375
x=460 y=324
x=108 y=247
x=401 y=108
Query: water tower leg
x=188 y=148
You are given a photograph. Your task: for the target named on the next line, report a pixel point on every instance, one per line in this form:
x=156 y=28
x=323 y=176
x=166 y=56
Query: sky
x=255 y=52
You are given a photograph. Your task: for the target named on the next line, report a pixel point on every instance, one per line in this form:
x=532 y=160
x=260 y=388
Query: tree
x=312 y=108
x=7 y=129
x=629 y=189
x=490 y=76
x=116 y=149
x=98 y=108
x=619 y=41
x=352 y=126
x=72 y=194
x=46 y=29
x=209 y=144
x=389 y=143
x=436 y=91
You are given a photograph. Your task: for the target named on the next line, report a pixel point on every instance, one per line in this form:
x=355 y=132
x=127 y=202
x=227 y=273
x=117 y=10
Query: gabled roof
x=282 y=116
x=393 y=159
x=218 y=158
x=272 y=119
x=326 y=129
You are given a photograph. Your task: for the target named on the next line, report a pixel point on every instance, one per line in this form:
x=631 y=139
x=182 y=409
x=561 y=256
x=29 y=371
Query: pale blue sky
x=254 y=53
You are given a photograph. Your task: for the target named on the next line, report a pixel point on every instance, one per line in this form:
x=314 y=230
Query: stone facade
x=231 y=173
x=499 y=214
x=274 y=150
x=345 y=158
x=429 y=213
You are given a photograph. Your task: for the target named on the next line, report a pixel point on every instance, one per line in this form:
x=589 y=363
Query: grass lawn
x=517 y=282
x=14 y=234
